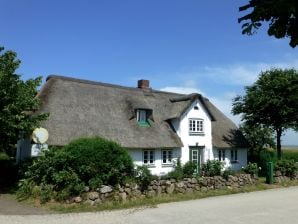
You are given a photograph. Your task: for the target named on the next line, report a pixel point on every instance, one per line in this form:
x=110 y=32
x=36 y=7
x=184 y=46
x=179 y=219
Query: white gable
x=196 y=111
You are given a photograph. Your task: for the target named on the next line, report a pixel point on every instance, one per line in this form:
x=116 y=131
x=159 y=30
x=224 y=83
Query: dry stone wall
x=160 y=188
x=279 y=178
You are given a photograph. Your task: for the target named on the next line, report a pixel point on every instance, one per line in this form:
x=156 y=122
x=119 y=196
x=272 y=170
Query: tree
x=258 y=137
x=281 y=15
x=271 y=102
x=17 y=101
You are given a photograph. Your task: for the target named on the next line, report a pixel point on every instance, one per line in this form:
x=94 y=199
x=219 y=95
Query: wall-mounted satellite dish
x=40 y=135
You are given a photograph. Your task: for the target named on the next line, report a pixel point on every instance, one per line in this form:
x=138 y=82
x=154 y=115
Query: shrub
x=266 y=156
x=177 y=173
x=189 y=169
x=143 y=177
x=251 y=168
x=65 y=171
x=286 y=167
x=227 y=172
x=212 y=168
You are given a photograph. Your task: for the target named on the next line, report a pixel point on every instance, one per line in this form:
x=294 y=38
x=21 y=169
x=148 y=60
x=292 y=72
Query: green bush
x=84 y=162
x=8 y=172
x=251 y=168
x=212 y=168
x=286 y=167
x=143 y=177
x=177 y=173
x=189 y=169
x=265 y=157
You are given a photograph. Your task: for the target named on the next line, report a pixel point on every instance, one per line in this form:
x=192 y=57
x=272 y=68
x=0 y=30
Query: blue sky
x=179 y=45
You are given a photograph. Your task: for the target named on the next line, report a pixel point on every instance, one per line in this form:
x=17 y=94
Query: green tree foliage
x=64 y=172
x=17 y=101
x=271 y=102
x=281 y=15
x=258 y=138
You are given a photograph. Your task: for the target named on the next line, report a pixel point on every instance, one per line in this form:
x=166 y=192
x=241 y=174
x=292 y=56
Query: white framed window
x=196 y=125
x=149 y=157
x=221 y=155
x=167 y=156
x=234 y=155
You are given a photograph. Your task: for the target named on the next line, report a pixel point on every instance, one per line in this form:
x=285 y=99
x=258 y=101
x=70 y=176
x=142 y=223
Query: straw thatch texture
x=80 y=108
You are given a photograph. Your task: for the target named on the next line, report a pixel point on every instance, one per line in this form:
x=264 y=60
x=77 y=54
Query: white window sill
x=149 y=165
x=196 y=133
x=167 y=165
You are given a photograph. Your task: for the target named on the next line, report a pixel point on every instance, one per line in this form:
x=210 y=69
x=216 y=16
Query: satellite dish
x=40 y=135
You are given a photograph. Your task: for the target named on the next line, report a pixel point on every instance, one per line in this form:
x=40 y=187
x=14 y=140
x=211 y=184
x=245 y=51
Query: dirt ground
x=10 y=206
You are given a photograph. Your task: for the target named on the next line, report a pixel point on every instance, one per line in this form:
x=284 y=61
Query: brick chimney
x=143 y=84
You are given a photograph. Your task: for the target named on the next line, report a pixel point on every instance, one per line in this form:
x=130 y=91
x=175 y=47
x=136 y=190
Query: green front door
x=195 y=157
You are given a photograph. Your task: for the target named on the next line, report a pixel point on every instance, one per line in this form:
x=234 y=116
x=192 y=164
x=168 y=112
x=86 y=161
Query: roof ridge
x=85 y=81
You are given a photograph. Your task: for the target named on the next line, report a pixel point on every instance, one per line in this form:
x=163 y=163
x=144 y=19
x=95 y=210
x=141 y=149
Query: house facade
x=155 y=127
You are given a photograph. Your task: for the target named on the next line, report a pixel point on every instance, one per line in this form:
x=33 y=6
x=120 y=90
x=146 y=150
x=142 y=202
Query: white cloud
x=180 y=89
x=245 y=73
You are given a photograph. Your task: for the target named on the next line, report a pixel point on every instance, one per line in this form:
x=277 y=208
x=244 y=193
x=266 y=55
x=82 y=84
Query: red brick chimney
x=143 y=84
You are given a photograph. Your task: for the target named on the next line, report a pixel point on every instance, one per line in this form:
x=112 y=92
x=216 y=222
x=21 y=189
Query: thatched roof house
x=80 y=108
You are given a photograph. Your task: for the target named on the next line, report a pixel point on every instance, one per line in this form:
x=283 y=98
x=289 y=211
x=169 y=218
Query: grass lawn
x=290 y=153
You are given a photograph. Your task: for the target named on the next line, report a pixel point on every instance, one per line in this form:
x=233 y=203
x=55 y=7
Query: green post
x=269 y=176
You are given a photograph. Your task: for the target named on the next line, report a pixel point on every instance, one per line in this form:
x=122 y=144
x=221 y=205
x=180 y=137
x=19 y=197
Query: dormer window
x=196 y=108
x=143 y=117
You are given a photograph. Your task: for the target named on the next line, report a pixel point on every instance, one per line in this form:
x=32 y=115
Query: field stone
x=128 y=190
x=194 y=180
x=204 y=189
x=105 y=189
x=180 y=184
x=123 y=196
x=77 y=199
x=168 y=182
x=170 y=189
x=93 y=195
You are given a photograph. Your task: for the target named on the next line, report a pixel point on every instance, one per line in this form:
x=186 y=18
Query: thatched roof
x=80 y=108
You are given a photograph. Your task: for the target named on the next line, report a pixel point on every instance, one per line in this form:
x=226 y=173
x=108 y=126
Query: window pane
x=142 y=115
x=170 y=156
x=145 y=156
x=151 y=156
x=164 y=156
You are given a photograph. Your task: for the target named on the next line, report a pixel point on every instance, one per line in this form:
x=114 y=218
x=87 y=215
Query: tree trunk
x=278 y=142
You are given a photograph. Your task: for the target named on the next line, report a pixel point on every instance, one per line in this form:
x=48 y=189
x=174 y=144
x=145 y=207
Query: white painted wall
x=182 y=128
x=158 y=168
x=242 y=159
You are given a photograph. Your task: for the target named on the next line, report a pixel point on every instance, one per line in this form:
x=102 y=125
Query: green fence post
x=269 y=176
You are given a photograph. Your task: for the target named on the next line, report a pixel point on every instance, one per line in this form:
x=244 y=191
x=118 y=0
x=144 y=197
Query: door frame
x=198 y=150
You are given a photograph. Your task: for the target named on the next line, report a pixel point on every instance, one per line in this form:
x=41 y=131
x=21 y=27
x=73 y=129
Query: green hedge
x=64 y=172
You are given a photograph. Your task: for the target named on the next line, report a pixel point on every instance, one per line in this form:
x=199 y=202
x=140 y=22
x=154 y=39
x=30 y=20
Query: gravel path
x=265 y=207
x=10 y=206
